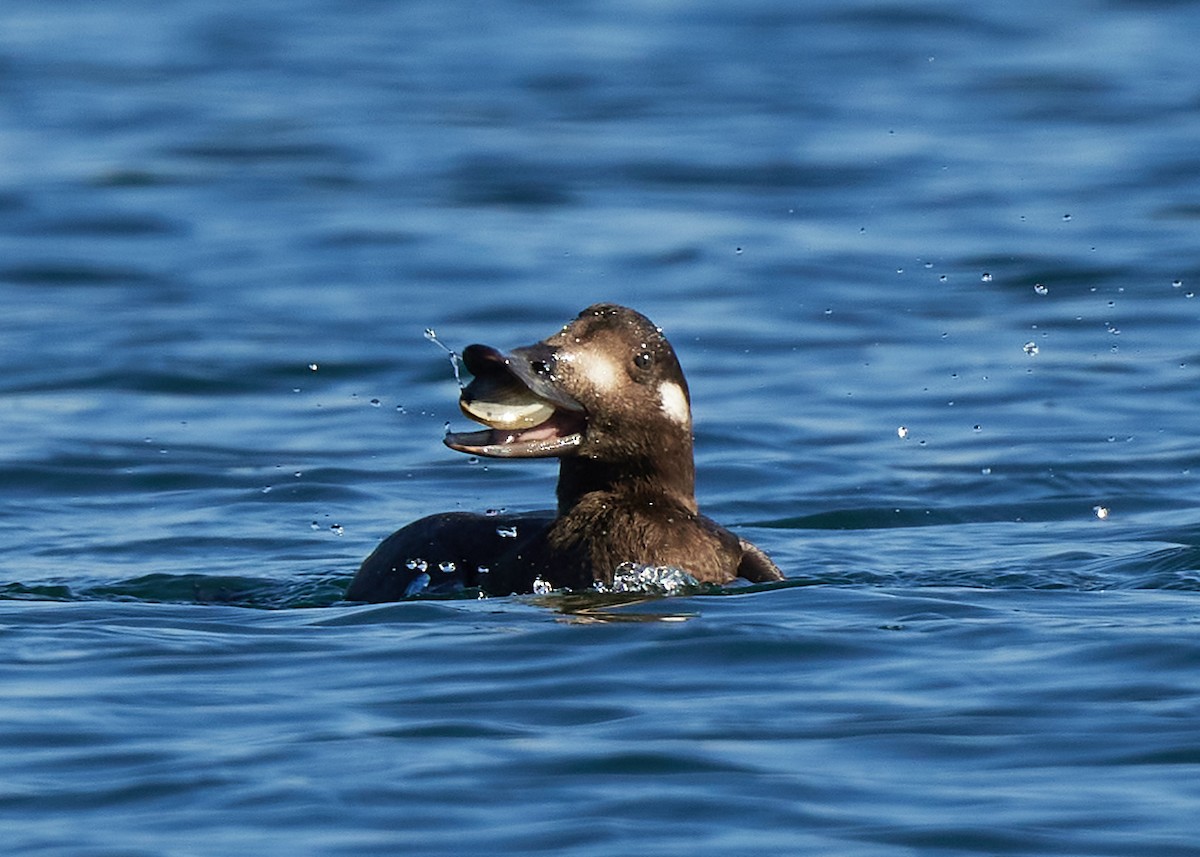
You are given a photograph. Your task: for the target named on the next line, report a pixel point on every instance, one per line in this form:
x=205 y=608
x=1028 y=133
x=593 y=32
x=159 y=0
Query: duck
x=606 y=396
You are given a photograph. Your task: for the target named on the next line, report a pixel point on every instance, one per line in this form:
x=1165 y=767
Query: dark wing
x=440 y=554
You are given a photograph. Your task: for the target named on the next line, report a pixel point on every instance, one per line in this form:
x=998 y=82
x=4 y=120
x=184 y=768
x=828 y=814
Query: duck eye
x=644 y=360
x=540 y=367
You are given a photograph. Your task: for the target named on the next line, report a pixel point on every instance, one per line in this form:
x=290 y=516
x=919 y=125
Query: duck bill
x=526 y=412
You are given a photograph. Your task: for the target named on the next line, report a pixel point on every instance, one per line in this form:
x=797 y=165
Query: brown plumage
x=607 y=397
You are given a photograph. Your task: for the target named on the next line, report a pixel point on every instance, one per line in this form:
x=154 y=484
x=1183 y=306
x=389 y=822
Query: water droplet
x=737 y=250
x=506 y=532
x=1030 y=348
x=314 y=525
x=266 y=489
x=481 y=570
x=987 y=471
x=828 y=311
x=338 y=529
x=986 y=278
x=942 y=278
x=431 y=335
x=928 y=265
x=1066 y=217
x=902 y=432
x=977 y=427
x=1041 y=289
x=447 y=567
x=1177 y=284
x=1189 y=294
x=375 y=403
x=1101 y=512
x=541 y=587
x=313 y=367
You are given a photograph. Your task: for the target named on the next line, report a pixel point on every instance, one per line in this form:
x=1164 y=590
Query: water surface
x=931 y=270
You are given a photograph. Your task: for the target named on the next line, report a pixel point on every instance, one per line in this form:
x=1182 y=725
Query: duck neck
x=667 y=478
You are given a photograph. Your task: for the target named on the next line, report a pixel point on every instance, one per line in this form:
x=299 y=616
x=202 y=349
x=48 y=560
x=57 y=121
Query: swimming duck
x=607 y=398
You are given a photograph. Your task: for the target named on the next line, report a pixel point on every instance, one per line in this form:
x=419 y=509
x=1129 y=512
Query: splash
x=455 y=361
x=629 y=578
x=651 y=579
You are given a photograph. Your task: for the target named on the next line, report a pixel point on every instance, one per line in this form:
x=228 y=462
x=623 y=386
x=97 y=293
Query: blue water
x=931 y=269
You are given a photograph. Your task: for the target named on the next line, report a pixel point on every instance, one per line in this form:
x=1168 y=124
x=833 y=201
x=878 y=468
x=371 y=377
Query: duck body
x=606 y=396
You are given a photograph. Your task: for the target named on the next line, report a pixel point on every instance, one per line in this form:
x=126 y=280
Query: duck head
x=605 y=395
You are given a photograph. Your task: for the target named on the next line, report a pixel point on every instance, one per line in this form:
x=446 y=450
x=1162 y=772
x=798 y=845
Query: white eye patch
x=599 y=371
x=674 y=402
